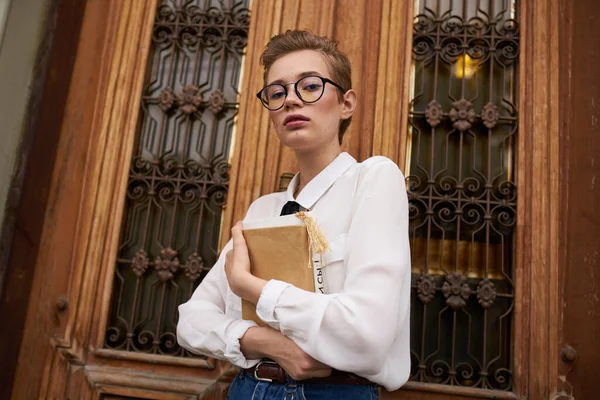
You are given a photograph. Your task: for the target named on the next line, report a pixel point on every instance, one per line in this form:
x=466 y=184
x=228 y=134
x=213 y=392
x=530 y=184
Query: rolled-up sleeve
x=204 y=326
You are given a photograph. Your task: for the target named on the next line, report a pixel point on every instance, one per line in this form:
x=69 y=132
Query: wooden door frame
x=102 y=93
x=536 y=316
x=31 y=185
x=81 y=218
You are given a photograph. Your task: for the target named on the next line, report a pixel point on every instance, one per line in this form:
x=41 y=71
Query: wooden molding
x=116 y=123
x=30 y=194
x=393 y=90
x=250 y=121
x=205 y=363
x=536 y=305
x=103 y=103
x=143 y=384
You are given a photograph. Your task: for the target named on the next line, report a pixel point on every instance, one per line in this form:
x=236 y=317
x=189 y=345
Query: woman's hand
x=261 y=342
x=300 y=365
x=237 y=268
x=237 y=260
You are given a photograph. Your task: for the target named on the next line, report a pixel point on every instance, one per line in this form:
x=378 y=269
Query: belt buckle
x=258 y=378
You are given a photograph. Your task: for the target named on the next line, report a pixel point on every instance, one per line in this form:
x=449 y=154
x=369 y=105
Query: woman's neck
x=310 y=164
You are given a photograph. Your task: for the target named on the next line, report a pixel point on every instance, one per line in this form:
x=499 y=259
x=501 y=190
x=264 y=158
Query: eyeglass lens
x=309 y=89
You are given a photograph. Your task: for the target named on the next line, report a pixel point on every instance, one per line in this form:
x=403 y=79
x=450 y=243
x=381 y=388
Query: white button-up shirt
x=361 y=323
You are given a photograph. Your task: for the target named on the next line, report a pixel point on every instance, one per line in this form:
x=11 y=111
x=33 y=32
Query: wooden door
x=151 y=100
x=91 y=290
x=580 y=142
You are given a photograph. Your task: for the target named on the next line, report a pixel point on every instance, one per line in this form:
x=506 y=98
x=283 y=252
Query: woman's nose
x=292 y=99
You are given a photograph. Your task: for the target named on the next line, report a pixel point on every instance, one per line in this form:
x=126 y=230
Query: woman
x=345 y=343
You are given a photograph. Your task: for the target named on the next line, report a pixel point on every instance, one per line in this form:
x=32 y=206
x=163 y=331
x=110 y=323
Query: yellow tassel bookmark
x=318 y=241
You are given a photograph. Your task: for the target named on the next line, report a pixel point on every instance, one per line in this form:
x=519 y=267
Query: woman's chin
x=297 y=140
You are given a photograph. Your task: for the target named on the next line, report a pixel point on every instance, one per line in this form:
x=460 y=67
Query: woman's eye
x=312 y=87
x=276 y=95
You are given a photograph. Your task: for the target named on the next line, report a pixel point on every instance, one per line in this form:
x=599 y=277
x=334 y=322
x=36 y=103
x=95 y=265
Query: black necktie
x=291 y=207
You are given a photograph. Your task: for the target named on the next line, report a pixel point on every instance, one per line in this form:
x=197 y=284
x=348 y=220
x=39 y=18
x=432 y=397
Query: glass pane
x=179 y=178
x=460 y=177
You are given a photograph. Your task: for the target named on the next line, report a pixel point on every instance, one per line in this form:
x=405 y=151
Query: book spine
x=318 y=265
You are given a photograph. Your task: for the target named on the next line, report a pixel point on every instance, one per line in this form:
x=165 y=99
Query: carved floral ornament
x=433 y=113
x=462 y=114
x=456 y=291
x=216 y=101
x=425 y=288
x=166 y=99
x=486 y=293
x=166 y=264
x=190 y=100
x=193 y=267
x=139 y=264
x=490 y=115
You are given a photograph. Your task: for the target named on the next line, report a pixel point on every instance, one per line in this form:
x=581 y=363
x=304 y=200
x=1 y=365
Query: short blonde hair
x=295 y=40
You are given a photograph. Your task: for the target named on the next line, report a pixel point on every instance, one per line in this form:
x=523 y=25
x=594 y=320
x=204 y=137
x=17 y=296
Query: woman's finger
x=238 y=237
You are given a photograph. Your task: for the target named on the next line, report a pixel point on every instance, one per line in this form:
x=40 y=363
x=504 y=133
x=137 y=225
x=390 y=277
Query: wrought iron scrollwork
x=179 y=174
x=462 y=191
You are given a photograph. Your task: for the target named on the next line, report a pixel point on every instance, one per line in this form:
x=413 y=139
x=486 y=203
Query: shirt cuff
x=233 y=352
x=265 y=308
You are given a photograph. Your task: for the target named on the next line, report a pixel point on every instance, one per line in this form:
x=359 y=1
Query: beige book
x=280 y=248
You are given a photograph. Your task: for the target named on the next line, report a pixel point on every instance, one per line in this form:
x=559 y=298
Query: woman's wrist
x=248 y=287
x=262 y=342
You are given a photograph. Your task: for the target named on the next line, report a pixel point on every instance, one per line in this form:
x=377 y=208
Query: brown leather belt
x=270 y=371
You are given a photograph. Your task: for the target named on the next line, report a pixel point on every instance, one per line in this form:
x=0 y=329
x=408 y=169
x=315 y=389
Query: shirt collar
x=320 y=183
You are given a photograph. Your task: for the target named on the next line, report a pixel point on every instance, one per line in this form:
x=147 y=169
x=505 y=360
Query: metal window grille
x=462 y=193
x=178 y=179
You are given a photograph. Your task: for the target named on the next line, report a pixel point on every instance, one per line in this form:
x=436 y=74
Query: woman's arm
x=203 y=326
x=261 y=342
x=354 y=330
x=205 y=329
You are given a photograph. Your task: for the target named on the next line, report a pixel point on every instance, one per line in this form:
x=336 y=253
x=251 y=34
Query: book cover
x=280 y=248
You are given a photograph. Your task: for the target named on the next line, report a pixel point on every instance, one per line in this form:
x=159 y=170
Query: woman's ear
x=348 y=104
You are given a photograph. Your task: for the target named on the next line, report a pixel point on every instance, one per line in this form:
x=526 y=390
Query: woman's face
x=314 y=126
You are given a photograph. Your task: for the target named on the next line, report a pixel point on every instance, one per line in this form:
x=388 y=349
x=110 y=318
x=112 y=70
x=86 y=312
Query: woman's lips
x=295 y=121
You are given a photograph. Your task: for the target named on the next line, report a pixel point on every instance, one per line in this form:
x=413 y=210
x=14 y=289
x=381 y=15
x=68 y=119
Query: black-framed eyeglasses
x=309 y=89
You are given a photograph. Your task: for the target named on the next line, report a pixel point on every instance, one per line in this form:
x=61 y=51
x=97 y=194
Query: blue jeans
x=245 y=387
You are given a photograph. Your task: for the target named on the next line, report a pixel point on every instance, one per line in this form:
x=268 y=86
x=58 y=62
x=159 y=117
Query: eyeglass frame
x=285 y=85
